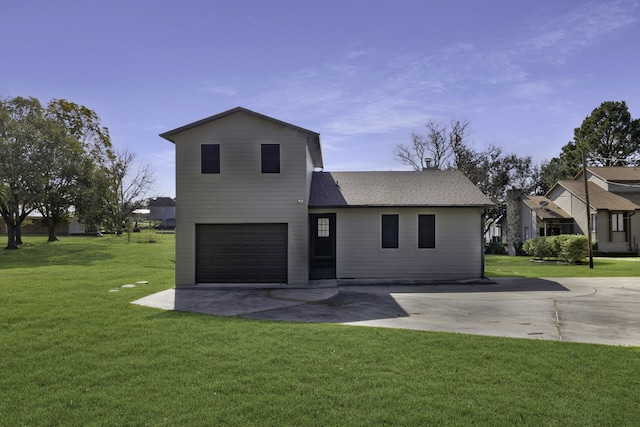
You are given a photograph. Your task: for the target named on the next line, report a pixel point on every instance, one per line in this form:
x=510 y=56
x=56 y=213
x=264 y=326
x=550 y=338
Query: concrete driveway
x=588 y=310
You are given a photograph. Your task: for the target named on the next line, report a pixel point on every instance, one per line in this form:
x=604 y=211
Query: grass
x=76 y=354
x=507 y=266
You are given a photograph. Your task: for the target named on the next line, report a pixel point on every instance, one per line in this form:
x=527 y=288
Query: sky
x=364 y=74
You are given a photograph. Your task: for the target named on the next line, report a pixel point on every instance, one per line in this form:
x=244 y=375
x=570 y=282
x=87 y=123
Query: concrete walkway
x=588 y=310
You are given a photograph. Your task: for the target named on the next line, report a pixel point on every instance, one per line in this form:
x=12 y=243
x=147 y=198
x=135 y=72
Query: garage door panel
x=241 y=253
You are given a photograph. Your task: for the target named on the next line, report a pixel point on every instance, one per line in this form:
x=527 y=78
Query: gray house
x=255 y=206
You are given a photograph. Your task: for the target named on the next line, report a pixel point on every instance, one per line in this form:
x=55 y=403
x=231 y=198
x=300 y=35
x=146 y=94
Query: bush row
x=565 y=247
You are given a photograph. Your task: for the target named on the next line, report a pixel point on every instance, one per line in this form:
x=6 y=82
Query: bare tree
x=436 y=149
x=131 y=183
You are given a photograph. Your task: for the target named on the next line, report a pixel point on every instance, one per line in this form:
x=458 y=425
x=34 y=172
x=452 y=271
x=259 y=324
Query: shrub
x=538 y=247
x=571 y=248
x=496 y=248
x=575 y=248
x=557 y=243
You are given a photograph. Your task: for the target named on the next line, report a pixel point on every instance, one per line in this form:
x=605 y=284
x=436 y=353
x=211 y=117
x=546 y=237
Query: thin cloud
x=211 y=87
x=564 y=35
x=373 y=92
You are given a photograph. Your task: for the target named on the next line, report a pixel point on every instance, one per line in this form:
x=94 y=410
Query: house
x=256 y=207
x=614 y=199
x=162 y=208
x=543 y=217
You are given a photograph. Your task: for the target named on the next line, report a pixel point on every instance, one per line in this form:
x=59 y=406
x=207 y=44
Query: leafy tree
x=63 y=163
x=48 y=157
x=494 y=172
x=21 y=122
x=92 y=199
x=608 y=137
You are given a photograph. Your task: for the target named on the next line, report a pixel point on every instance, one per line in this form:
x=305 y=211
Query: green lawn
x=506 y=266
x=75 y=353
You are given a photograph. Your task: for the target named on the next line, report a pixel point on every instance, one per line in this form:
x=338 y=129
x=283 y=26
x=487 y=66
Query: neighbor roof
x=162 y=201
x=599 y=198
x=615 y=173
x=545 y=208
x=395 y=188
x=313 y=141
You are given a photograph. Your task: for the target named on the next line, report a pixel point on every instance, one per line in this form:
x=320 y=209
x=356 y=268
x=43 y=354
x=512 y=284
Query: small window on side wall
x=390 y=228
x=210 y=158
x=617 y=222
x=270 y=158
x=426 y=231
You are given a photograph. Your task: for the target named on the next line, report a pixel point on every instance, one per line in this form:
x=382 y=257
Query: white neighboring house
x=256 y=207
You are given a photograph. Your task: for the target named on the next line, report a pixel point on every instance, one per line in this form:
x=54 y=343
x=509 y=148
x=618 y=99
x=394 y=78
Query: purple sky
x=364 y=74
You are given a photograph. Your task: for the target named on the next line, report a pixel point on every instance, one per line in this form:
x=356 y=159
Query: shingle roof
x=599 y=198
x=395 y=188
x=545 y=208
x=617 y=173
x=162 y=201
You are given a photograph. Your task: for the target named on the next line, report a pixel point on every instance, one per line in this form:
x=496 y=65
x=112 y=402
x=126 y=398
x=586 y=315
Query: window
x=617 y=222
x=390 y=231
x=426 y=231
x=270 y=158
x=210 y=158
x=323 y=227
x=594 y=222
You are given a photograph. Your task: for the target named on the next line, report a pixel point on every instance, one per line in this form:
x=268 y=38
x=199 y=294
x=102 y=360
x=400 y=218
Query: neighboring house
x=543 y=217
x=614 y=198
x=256 y=207
x=162 y=208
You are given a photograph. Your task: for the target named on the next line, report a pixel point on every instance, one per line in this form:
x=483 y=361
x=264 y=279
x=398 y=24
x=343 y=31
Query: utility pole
x=586 y=194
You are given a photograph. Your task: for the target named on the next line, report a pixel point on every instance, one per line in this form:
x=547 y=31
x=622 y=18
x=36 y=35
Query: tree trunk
x=11 y=236
x=18 y=235
x=52 y=233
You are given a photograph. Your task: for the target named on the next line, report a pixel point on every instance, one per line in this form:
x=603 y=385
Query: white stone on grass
x=128 y=286
x=142 y=282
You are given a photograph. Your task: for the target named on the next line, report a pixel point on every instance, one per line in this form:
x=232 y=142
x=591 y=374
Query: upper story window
x=210 y=158
x=617 y=222
x=426 y=231
x=390 y=229
x=270 y=158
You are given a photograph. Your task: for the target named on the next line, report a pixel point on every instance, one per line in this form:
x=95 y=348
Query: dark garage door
x=241 y=253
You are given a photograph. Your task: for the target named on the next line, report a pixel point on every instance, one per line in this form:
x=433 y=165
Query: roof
x=313 y=140
x=545 y=208
x=162 y=201
x=395 y=188
x=599 y=198
x=615 y=173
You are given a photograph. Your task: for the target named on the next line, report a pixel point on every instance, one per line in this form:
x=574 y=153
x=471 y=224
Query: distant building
x=163 y=209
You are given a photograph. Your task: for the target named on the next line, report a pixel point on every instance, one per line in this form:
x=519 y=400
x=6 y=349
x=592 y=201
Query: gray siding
x=458 y=253
x=241 y=193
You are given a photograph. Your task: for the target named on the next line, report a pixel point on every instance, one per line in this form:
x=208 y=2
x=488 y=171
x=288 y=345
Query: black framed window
x=270 y=158
x=426 y=231
x=390 y=228
x=210 y=158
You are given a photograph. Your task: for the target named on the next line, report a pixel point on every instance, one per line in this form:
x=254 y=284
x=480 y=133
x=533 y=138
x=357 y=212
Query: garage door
x=241 y=253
